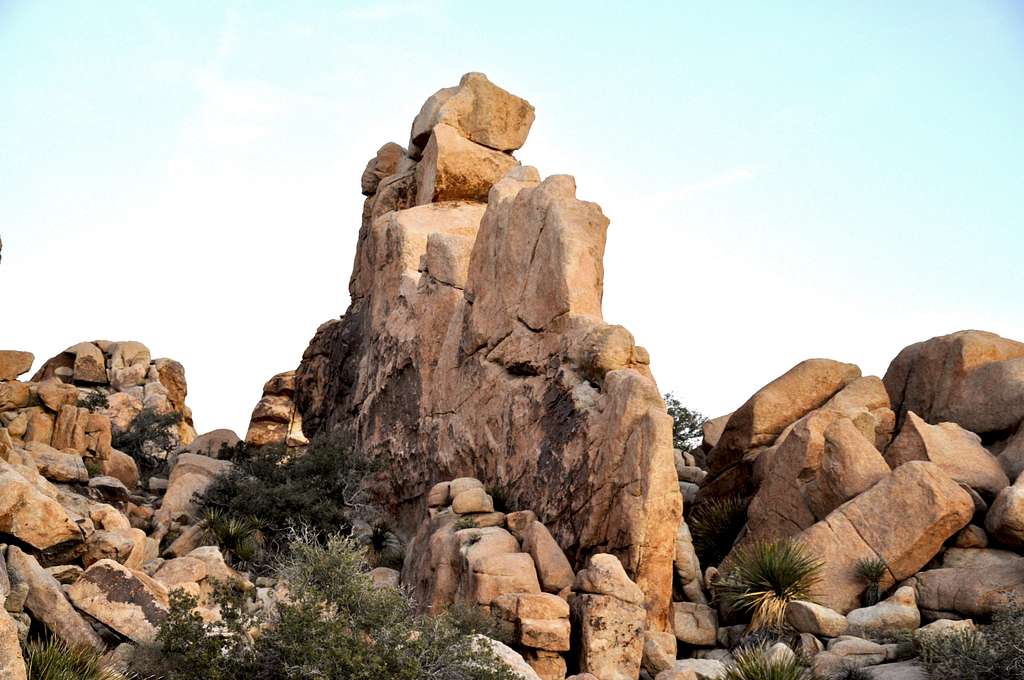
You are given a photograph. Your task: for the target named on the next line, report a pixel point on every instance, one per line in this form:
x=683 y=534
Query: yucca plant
x=54 y=659
x=755 y=663
x=384 y=548
x=765 y=577
x=872 y=570
x=238 y=537
x=714 y=526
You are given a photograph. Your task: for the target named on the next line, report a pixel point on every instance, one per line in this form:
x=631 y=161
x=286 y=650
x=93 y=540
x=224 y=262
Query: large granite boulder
x=904 y=519
x=958 y=452
x=47 y=603
x=972 y=378
x=129 y=602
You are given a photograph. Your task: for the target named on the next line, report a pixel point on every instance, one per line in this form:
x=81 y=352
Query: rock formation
x=474 y=344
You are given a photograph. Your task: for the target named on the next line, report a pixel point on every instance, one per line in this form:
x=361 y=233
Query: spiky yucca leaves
x=55 y=659
x=239 y=537
x=714 y=526
x=872 y=570
x=384 y=548
x=754 y=663
x=765 y=577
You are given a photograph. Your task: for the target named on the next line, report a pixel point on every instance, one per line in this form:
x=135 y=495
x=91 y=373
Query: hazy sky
x=784 y=180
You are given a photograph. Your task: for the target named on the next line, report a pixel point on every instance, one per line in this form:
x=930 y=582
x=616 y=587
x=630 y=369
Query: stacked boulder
x=275 y=420
x=507 y=565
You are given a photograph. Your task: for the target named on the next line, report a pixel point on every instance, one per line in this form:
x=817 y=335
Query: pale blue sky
x=784 y=180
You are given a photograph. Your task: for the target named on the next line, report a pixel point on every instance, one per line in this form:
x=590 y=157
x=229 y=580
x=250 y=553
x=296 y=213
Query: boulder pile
x=80 y=538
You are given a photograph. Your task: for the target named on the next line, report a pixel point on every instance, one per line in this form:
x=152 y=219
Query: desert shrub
x=872 y=571
x=465 y=522
x=384 y=548
x=991 y=652
x=94 y=401
x=754 y=663
x=687 y=424
x=470 y=620
x=714 y=526
x=54 y=659
x=765 y=577
x=322 y=490
x=239 y=538
x=501 y=495
x=336 y=626
x=149 y=435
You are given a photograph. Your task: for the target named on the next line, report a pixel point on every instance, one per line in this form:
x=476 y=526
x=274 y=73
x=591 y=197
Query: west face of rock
x=475 y=346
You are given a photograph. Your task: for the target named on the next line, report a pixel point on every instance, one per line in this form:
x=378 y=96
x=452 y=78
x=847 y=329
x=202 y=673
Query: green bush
x=687 y=425
x=872 y=571
x=714 y=526
x=321 y=490
x=94 y=401
x=765 y=578
x=335 y=627
x=465 y=522
x=991 y=652
x=754 y=663
x=149 y=434
x=54 y=659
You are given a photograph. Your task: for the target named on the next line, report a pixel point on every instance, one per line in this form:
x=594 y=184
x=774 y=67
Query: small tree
x=687 y=424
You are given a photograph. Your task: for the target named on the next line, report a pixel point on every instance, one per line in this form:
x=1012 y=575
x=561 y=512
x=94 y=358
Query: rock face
x=130 y=602
x=475 y=345
x=958 y=452
x=904 y=519
x=608 y=621
x=1005 y=519
x=275 y=419
x=12 y=665
x=972 y=378
x=47 y=603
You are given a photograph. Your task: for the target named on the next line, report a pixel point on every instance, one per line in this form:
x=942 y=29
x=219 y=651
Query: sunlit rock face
x=474 y=345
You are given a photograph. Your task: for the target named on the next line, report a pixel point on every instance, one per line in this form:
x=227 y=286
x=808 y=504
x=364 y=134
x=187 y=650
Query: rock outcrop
x=474 y=344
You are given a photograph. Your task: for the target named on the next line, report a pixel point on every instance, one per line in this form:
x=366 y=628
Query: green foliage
x=54 y=659
x=321 y=490
x=239 y=538
x=687 y=425
x=470 y=620
x=872 y=570
x=992 y=652
x=754 y=663
x=94 y=401
x=714 y=526
x=93 y=467
x=149 y=435
x=502 y=498
x=465 y=522
x=384 y=548
x=766 y=577
x=336 y=626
